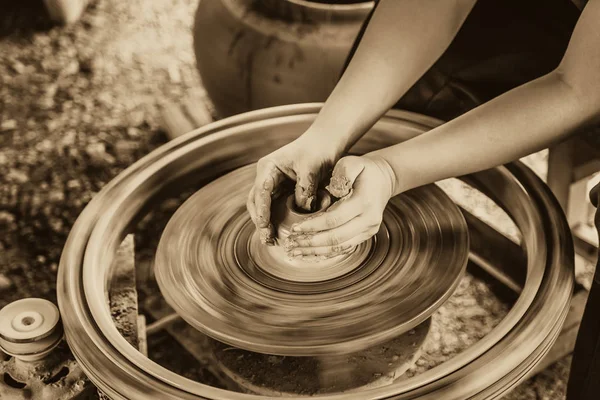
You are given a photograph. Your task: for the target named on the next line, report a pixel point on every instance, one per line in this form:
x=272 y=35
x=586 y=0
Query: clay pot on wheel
x=256 y=54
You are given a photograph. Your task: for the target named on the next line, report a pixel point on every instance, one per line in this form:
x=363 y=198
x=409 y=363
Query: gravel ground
x=77 y=106
x=80 y=104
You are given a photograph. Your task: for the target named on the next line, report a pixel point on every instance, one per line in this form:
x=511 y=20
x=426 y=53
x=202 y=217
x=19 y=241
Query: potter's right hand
x=306 y=161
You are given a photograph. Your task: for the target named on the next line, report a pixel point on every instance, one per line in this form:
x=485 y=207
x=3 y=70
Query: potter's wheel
x=213 y=270
x=487 y=370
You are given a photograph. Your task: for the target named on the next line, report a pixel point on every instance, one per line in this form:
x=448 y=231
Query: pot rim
x=363 y=5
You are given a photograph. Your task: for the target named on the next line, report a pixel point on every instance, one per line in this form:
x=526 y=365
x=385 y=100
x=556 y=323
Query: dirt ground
x=77 y=106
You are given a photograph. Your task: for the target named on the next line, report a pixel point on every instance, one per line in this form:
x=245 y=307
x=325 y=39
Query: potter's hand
x=364 y=186
x=306 y=160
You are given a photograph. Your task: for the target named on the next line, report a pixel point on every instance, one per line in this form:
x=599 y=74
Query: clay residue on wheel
x=57 y=376
x=375 y=365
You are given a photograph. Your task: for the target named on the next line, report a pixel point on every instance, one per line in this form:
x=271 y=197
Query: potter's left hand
x=364 y=185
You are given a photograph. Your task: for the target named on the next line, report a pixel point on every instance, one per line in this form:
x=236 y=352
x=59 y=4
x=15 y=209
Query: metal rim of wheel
x=487 y=369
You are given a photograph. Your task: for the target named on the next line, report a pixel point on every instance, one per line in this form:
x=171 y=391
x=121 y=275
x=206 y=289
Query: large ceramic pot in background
x=254 y=54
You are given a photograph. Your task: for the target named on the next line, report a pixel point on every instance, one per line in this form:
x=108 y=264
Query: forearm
x=403 y=39
x=518 y=123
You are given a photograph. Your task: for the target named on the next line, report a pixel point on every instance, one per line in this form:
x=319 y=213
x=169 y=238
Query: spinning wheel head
x=213 y=270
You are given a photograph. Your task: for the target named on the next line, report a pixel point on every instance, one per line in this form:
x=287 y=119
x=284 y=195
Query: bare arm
x=403 y=39
x=520 y=122
x=517 y=123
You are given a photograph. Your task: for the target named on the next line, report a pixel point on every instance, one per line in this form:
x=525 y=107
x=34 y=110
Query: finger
x=307 y=183
x=268 y=178
x=266 y=234
x=250 y=206
x=344 y=174
x=337 y=215
x=345 y=247
x=332 y=237
x=264 y=186
x=324 y=203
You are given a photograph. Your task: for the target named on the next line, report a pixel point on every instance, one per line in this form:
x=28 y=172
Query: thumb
x=344 y=174
x=307 y=183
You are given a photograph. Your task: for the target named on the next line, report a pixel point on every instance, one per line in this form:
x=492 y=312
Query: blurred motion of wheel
x=256 y=54
x=487 y=370
x=65 y=11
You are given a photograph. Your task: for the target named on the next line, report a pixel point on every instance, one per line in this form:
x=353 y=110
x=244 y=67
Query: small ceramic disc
x=28 y=320
x=30 y=328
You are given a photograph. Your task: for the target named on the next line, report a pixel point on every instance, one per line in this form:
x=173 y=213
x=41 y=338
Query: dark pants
x=504 y=44
x=584 y=379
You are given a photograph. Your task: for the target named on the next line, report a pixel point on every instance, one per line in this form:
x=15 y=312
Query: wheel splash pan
x=488 y=369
